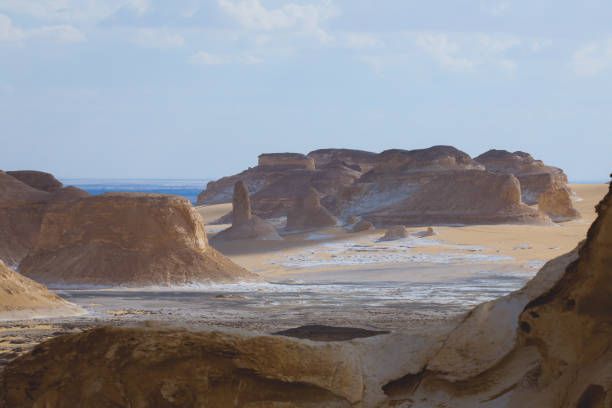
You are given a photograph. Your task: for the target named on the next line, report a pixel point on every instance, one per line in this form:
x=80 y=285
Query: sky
x=199 y=88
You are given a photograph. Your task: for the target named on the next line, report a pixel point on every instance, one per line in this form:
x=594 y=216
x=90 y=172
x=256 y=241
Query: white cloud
x=206 y=58
x=445 y=51
x=60 y=33
x=72 y=10
x=307 y=19
x=157 y=38
x=360 y=40
x=592 y=59
x=9 y=33
x=469 y=52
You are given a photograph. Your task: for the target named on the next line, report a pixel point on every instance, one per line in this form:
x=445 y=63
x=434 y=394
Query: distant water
x=188 y=188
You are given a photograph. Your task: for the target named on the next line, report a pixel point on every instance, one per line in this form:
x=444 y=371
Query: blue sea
x=188 y=188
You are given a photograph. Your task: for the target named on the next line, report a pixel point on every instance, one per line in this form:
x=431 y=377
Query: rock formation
x=358 y=183
x=556 y=202
x=535 y=177
x=287 y=160
x=394 y=233
x=22 y=298
x=360 y=160
x=363 y=226
x=461 y=197
x=308 y=213
x=429 y=232
x=126 y=239
x=37 y=179
x=245 y=225
x=546 y=345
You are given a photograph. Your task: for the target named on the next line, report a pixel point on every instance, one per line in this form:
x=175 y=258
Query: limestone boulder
x=363 y=226
x=308 y=213
x=22 y=298
x=245 y=225
x=126 y=239
x=395 y=232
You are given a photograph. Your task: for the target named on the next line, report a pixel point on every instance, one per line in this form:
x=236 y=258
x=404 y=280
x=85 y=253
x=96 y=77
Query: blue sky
x=198 y=88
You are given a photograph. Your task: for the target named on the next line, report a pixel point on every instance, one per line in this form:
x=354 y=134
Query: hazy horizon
x=148 y=89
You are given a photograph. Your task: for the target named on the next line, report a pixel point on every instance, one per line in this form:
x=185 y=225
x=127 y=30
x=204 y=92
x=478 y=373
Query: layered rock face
x=22 y=298
x=245 y=225
x=308 y=213
x=535 y=177
x=37 y=179
x=126 y=239
x=546 y=345
x=461 y=197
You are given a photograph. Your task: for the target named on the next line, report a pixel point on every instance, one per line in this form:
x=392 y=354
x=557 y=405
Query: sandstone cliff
x=127 y=239
x=546 y=345
x=22 y=298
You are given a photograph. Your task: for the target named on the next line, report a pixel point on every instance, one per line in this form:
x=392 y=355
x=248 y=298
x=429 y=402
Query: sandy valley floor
x=337 y=278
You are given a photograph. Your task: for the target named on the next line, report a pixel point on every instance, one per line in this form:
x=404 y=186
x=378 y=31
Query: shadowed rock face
x=466 y=197
x=245 y=225
x=37 y=179
x=546 y=345
x=308 y=213
x=535 y=177
x=318 y=332
x=126 y=239
x=22 y=298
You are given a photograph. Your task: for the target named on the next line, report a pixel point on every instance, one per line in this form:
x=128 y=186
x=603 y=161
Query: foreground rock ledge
x=546 y=345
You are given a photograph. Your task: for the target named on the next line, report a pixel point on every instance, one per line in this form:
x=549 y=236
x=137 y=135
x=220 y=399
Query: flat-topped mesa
x=244 y=224
x=288 y=160
x=308 y=213
x=37 y=179
x=461 y=197
x=127 y=239
x=359 y=159
x=22 y=298
x=535 y=177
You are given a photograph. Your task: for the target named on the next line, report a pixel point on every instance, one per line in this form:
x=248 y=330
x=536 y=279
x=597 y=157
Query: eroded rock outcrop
x=535 y=177
x=394 y=233
x=461 y=197
x=308 y=213
x=556 y=202
x=127 y=239
x=362 y=226
x=246 y=225
x=22 y=298
x=286 y=160
x=360 y=160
